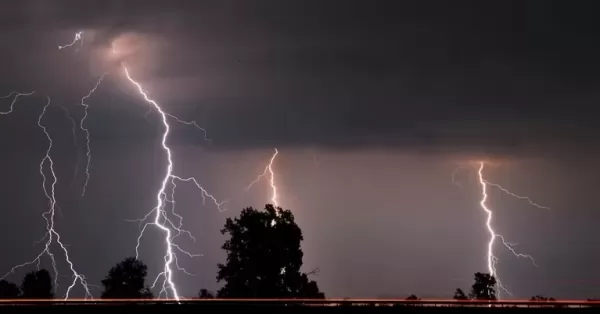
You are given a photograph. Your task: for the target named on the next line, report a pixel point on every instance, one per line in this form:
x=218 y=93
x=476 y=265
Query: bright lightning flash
x=51 y=234
x=269 y=169
x=491 y=258
x=161 y=220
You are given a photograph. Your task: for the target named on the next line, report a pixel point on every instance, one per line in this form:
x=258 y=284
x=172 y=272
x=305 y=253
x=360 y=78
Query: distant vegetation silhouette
x=127 y=280
x=263 y=261
x=539 y=298
x=412 y=297
x=205 y=294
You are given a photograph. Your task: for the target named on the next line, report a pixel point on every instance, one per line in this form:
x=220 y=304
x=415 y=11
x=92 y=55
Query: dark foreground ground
x=271 y=308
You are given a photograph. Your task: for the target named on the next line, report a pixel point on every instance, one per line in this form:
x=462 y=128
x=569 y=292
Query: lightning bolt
x=88 y=152
x=492 y=260
x=269 y=170
x=78 y=37
x=52 y=235
x=161 y=219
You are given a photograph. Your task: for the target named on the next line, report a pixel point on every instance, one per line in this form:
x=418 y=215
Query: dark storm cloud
x=502 y=77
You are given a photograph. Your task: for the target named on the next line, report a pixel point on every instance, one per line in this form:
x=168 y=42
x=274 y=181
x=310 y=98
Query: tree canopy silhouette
x=484 y=287
x=264 y=257
x=205 y=294
x=9 y=290
x=460 y=295
x=127 y=279
x=37 y=285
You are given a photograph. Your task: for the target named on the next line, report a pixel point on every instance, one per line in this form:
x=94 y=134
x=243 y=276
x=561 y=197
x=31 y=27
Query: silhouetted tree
x=412 y=297
x=460 y=295
x=205 y=294
x=127 y=280
x=264 y=257
x=9 y=290
x=37 y=285
x=484 y=287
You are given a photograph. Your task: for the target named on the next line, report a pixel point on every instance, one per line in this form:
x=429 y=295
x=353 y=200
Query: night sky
x=372 y=105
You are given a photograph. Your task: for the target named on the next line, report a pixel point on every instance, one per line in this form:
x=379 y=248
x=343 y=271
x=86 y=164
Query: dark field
x=213 y=306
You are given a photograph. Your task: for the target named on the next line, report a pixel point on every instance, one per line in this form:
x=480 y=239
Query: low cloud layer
x=510 y=78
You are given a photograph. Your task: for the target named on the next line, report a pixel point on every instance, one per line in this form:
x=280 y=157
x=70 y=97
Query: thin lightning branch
x=51 y=234
x=491 y=258
x=159 y=212
x=15 y=96
x=78 y=37
x=515 y=195
x=73 y=127
x=73 y=124
x=88 y=152
x=454 y=173
x=269 y=169
x=190 y=123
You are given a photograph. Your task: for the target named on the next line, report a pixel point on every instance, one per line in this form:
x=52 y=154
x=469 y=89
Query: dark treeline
x=263 y=261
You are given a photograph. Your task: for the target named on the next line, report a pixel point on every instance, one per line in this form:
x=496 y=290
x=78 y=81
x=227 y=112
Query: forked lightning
x=269 y=170
x=491 y=258
x=52 y=236
x=161 y=218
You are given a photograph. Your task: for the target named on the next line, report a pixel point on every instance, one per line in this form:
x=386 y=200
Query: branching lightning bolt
x=491 y=258
x=88 y=152
x=269 y=170
x=161 y=219
x=51 y=234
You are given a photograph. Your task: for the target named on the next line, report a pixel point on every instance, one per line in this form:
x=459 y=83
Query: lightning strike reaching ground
x=161 y=219
x=88 y=152
x=78 y=37
x=492 y=260
x=269 y=169
x=52 y=236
